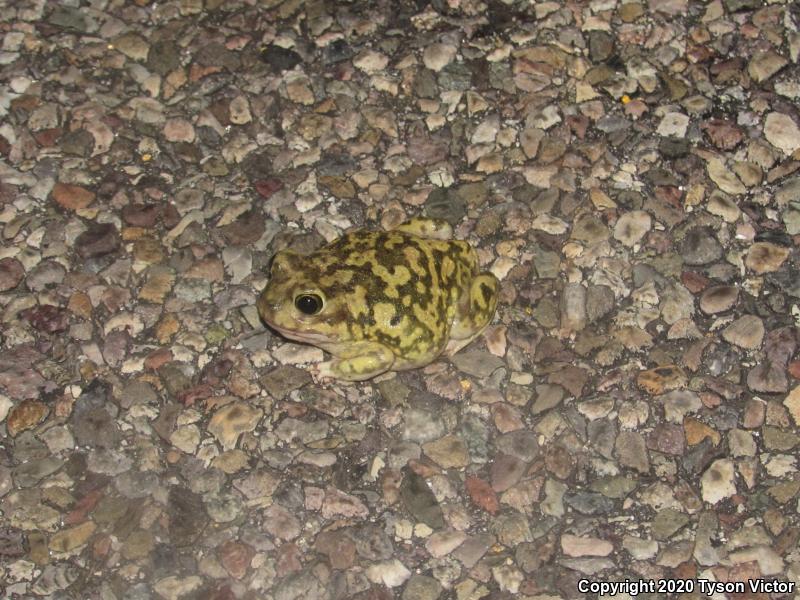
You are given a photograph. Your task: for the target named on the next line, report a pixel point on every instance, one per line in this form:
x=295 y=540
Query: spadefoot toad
x=381 y=300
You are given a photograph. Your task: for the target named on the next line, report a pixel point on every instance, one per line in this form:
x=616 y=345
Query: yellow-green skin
x=392 y=300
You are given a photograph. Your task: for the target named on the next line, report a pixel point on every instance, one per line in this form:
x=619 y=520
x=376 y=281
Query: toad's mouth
x=300 y=336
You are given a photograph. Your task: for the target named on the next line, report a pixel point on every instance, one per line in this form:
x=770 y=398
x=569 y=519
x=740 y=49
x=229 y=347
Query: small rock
x=764 y=65
x=339 y=504
x=723 y=134
x=632 y=451
x=422 y=587
x=187 y=516
x=765 y=257
x=141 y=215
x=240 y=111
x=78 y=143
x=164 y=56
x=280 y=58
x=371 y=61
x=661 y=379
x=508 y=578
x=138 y=545
x=576 y=546
x=668 y=522
x=700 y=247
x=437 y=56
x=718 y=482
x=73 y=537
x=25 y=415
x=420 y=501
x=696 y=431
x=667 y=438
x=179 y=130
x=186 y=438
x=72 y=197
x=47 y=318
x=741 y=443
x=94 y=426
x=673 y=125
x=718 y=299
x=232 y=420
x=482 y=494
x=769 y=377
x=722 y=206
x=506 y=471
x=340 y=549
x=590 y=503
x=573 y=307
x=391 y=573
x=769 y=562
x=11 y=273
x=175 y=588
x=632 y=226
x=601 y=46
x=100 y=239
x=449 y=452
x=638 y=548
x=792 y=402
x=477 y=363
x=746 y=332
x=725 y=179
x=133 y=46
x=782 y=132
x=442 y=543
x=281 y=523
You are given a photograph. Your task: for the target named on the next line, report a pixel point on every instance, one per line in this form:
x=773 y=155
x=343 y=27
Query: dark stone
x=420 y=501
x=47 y=318
x=100 y=239
x=283 y=379
x=12 y=542
x=93 y=418
x=371 y=542
x=456 y=76
x=672 y=147
x=164 y=56
x=284 y=59
x=187 y=516
x=740 y=5
x=601 y=46
x=445 y=204
x=78 y=143
x=335 y=52
x=245 y=230
x=589 y=503
x=700 y=456
x=522 y=444
x=425 y=85
x=69 y=17
x=11 y=273
x=700 y=247
x=216 y=54
x=141 y=215
x=302 y=585
x=173 y=377
x=667 y=438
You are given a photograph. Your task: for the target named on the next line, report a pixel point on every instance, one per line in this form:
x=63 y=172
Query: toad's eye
x=309 y=304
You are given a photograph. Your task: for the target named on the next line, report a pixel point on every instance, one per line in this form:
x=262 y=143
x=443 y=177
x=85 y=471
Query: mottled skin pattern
x=389 y=300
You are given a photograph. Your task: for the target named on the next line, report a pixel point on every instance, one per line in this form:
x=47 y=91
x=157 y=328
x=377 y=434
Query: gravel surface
x=629 y=170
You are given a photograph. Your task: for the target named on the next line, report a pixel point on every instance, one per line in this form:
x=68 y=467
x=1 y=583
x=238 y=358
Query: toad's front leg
x=474 y=312
x=356 y=362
